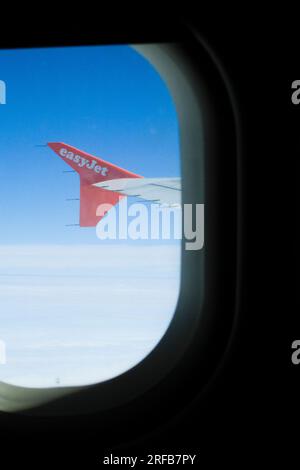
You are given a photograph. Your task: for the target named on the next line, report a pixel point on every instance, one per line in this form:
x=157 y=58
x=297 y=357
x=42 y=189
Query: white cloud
x=83 y=313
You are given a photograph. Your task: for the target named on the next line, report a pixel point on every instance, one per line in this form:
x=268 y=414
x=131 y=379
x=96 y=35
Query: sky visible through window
x=75 y=309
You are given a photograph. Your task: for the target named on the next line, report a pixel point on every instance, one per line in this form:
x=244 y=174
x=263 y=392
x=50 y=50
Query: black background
x=249 y=411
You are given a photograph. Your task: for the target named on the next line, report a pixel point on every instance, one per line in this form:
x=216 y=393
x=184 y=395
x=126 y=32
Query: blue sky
x=108 y=101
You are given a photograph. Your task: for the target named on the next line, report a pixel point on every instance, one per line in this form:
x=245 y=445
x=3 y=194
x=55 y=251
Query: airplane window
x=91 y=220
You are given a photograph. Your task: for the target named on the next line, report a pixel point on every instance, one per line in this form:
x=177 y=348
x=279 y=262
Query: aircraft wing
x=157 y=190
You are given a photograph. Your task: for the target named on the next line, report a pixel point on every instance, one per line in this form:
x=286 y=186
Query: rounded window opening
x=91 y=217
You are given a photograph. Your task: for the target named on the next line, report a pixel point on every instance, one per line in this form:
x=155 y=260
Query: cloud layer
x=82 y=314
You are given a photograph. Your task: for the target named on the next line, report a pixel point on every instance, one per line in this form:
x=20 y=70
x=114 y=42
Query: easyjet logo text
x=83 y=162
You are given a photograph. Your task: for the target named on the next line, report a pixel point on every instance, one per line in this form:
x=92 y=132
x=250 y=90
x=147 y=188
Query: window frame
x=199 y=335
